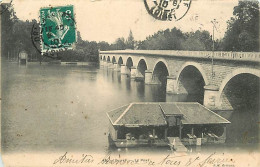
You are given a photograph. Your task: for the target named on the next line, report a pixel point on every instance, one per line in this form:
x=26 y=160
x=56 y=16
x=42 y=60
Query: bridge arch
x=161 y=71
x=129 y=63
x=108 y=58
x=191 y=80
x=142 y=65
x=113 y=59
x=196 y=65
x=120 y=61
x=239 y=92
x=243 y=76
x=164 y=62
x=237 y=72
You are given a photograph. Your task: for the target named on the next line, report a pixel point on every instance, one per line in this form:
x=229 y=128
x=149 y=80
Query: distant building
x=23 y=57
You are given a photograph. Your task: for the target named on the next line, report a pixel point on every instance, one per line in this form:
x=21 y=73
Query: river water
x=63 y=108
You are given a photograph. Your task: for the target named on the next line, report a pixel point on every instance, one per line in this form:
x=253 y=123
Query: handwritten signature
x=169 y=160
x=65 y=159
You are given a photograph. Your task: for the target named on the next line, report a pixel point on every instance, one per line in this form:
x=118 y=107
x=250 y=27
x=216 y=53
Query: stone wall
x=226 y=65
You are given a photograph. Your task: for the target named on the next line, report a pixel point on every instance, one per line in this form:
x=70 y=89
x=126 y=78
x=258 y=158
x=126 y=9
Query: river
x=63 y=108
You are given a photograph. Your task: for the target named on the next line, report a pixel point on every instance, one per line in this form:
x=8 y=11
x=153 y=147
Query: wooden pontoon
x=156 y=124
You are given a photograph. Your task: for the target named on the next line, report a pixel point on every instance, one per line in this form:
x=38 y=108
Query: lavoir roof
x=154 y=114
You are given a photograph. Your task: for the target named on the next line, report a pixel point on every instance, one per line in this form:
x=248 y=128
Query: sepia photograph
x=130 y=83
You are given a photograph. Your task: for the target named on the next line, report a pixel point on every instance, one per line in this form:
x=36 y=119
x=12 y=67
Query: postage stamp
x=36 y=41
x=167 y=10
x=58 y=28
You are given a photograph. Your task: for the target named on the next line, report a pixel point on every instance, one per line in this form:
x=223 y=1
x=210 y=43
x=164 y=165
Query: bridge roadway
x=223 y=83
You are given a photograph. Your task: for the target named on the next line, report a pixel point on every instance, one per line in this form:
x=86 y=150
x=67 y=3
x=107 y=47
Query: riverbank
x=68 y=63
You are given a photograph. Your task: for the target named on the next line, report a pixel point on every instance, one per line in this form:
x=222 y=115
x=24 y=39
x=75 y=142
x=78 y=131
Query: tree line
x=17 y=36
x=242 y=35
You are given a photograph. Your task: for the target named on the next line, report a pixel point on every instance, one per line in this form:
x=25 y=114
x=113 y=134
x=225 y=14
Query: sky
x=107 y=20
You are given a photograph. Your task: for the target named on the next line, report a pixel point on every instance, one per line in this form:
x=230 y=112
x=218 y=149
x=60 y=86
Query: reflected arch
x=191 y=80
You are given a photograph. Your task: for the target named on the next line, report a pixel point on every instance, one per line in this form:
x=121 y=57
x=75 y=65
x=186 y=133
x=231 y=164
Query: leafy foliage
x=130 y=43
x=120 y=44
x=243 y=28
x=242 y=35
x=175 y=39
x=17 y=37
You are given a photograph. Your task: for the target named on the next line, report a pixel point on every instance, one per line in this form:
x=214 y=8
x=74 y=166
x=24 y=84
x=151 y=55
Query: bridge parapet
x=235 y=56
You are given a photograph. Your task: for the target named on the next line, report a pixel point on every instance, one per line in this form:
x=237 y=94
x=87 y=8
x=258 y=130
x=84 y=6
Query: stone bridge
x=223 y=80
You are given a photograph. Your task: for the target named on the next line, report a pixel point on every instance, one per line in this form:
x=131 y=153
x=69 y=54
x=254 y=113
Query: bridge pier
x=171 y=87
x=133 y=72
x=101 y=63
x=211 y=99
x=110 y=65
x=105 y=64
x=139 y=76
x=119 y=67
x=148 y=76
x=128 y=71
x=123 y=69
x=151 y=79
x=115 y=66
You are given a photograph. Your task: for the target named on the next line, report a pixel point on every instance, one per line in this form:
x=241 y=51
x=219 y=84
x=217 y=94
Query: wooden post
x=180 y=131
x=116 y=134
x=225 y=132
x=165 y=133
x=154 y=133
x=192 y=131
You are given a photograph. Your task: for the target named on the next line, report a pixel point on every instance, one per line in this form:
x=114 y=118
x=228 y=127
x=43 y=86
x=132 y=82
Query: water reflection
x=52 y=107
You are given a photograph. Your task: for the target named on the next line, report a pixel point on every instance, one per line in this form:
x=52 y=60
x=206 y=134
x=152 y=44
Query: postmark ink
x=167 y=10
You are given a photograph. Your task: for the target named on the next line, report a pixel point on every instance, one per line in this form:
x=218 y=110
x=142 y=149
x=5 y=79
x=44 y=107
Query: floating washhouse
x=157 y=124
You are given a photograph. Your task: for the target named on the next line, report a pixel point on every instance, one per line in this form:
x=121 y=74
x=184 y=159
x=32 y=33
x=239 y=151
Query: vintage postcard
x=130 y=83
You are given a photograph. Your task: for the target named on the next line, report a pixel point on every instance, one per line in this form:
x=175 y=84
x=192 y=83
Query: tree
x=175 y=39
x=119 y=44
x=80 y=42
x=130 y=41
x=199 y=40
x=8 y=18
x=243 y=28
x=103 y=45
x=17 y=36
x=193 y=44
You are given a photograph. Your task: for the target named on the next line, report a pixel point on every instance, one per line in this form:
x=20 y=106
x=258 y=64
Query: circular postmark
x=36 y=40
x=5 y=6
x=167 y=10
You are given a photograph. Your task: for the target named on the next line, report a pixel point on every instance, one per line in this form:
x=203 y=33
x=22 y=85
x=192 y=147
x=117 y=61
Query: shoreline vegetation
x=242 y=35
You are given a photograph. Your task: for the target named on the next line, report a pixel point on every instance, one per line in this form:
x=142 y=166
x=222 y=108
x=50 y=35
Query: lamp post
x=213 y=46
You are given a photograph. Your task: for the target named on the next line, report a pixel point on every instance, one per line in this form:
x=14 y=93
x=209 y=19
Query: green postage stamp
x=58 y=28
